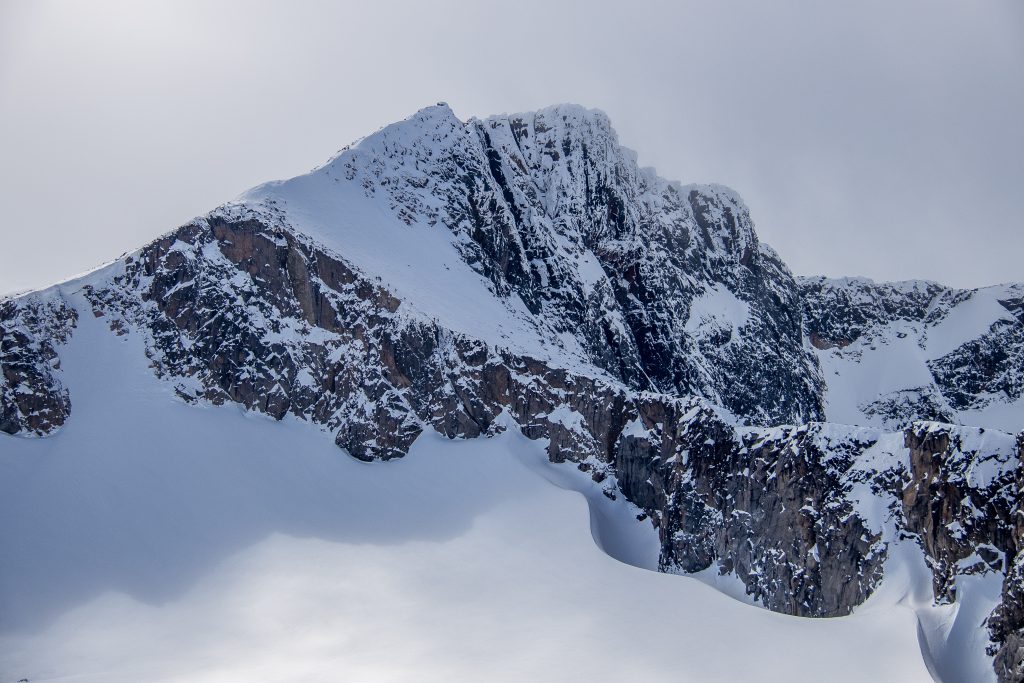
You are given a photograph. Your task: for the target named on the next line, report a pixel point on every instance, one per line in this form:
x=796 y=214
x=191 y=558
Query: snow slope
x=418 y=257
x=153 y=540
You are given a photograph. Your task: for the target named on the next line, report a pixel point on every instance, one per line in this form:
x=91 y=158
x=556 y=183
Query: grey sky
x=874 y=138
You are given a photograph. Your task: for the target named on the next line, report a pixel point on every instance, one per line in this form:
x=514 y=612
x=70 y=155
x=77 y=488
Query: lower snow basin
x=150 y=540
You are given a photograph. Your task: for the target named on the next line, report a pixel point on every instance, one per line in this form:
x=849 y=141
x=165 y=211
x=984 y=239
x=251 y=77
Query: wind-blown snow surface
x=153 y=540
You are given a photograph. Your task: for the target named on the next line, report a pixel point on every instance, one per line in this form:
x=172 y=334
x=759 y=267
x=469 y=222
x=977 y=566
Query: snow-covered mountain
x=900 y=350
x=522 y=274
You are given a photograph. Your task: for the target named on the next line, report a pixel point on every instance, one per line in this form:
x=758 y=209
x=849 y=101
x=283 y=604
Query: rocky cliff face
x=32 y=399
x=961 y=499
x=1006 y=623
x=771 y=506
x=693 y=293
x=522 y=272
x=960 y=352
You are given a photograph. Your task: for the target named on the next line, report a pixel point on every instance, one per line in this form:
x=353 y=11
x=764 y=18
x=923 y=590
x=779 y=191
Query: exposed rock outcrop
x=33 y=401
x=1006 y=624
x=959 y=352
x=961 y=499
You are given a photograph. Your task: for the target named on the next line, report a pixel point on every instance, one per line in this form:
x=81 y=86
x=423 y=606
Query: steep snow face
x=539 y=233
x=891 y=352
x=717 y=311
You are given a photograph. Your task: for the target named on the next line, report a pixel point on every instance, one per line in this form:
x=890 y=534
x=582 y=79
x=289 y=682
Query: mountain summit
x=807 y=438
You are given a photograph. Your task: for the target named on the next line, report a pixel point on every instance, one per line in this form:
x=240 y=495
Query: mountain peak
x=560 y=247
x=565 y=116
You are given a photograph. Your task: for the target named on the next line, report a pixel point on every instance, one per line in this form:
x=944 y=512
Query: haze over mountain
x=494 y=305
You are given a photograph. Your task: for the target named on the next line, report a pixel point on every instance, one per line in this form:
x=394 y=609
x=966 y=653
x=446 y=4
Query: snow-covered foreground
x=150 y=540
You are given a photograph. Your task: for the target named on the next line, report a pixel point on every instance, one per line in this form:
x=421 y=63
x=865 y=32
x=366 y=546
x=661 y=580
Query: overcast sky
x=875 y=138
